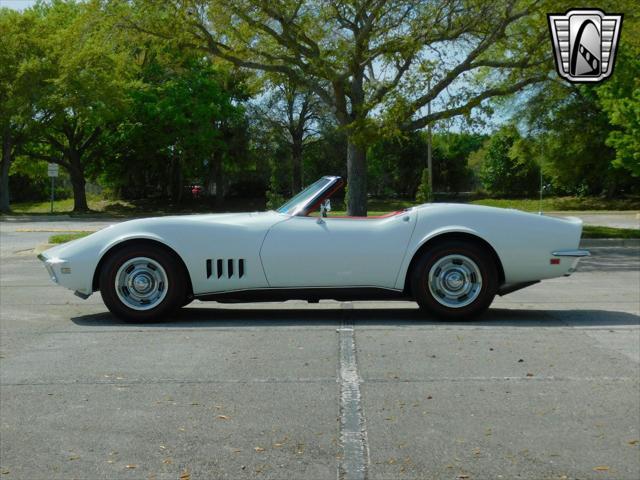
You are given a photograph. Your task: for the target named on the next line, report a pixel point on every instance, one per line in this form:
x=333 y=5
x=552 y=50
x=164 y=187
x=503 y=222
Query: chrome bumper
x=49 y=268
x=575 y=254
x=572 y=253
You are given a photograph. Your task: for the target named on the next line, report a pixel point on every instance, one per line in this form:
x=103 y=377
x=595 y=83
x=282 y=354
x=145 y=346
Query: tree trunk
x=78 y=183
x=217 y=174
x=296 y=167
x=357 y=180
x=176 y=178
x=6 y=165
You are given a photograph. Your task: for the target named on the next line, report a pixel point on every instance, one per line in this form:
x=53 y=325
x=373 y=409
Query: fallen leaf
x=131 y=466
x=259 y=449
x=110 y=461
x=601 y=468
x=5 y=472
x=277 y=445
x=529 y=374
x=462 y=477
x=185 y=475
x=167 y=461
x=74 y=457
x=223 y=417
x=633 y=442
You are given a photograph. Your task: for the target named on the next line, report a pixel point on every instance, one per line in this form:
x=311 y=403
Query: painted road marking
x=354 y=455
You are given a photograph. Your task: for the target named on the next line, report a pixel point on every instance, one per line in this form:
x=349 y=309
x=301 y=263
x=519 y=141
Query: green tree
x=21 y=81
x=292 y=113
x=620 y=100
x=451 y=152
x=395 y=165
x=88 y=74
x=179 y=127
x=570 y=130
x=502 y=171
x=369 y=60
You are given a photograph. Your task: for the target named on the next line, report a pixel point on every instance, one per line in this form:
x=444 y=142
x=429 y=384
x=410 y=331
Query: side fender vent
x=225 y=267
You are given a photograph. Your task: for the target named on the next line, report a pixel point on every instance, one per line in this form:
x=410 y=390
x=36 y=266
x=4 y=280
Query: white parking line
x=354 y=458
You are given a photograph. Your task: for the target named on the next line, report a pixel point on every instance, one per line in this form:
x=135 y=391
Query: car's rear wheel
x=455 y=280
x=142 y=283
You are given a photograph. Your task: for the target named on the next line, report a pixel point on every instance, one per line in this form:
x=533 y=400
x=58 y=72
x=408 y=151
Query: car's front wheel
x=141 y=283
x=455 y=280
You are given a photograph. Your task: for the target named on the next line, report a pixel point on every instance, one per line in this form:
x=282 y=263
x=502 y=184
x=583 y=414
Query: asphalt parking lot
x=545 y=386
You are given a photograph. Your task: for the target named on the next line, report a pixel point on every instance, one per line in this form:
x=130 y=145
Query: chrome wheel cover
x=455 y=281
x=141 y=283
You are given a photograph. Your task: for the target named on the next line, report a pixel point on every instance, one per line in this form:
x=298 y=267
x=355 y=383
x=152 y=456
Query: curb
x=42 y=247
x=610 y=242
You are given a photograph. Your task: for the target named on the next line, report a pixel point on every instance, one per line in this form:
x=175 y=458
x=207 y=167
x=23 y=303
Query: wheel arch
x=138 y=241
x=452 y=236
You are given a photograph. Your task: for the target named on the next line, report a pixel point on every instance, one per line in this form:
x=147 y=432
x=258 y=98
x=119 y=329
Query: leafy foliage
x=503 y=172
x=424 y=194
x=620 y=100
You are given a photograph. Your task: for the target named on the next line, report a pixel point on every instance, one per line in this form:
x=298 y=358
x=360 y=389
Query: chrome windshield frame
x=304 y=208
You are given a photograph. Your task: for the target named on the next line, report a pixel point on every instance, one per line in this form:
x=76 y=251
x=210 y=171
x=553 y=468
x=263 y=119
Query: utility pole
x=429 y=160
x=540 y=167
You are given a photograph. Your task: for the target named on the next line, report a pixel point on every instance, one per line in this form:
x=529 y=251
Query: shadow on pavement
x=380 y=317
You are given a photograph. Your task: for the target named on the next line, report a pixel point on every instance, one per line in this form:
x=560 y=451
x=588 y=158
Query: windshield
x=306 y=195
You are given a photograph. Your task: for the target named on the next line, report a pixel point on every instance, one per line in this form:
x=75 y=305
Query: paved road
x=544 y=386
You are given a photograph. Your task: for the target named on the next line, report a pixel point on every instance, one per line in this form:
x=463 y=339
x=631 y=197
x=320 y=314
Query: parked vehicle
x=450 y=258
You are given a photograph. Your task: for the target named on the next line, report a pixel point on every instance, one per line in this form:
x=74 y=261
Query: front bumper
x=60 y=272
x=52 y=266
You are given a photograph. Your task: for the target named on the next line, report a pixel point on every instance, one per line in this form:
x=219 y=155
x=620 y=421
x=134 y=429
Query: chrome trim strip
x=571 y=253
x=281 y=289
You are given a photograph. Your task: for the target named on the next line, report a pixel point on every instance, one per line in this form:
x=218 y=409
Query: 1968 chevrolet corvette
x=450 y=258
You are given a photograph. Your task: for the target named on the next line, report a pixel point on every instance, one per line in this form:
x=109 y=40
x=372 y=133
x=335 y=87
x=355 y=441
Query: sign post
x=52 y=171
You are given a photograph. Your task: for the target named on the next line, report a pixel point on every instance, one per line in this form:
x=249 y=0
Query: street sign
x=53 y=169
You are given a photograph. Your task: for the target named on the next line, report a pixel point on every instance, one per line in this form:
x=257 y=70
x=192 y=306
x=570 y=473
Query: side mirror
x=325 y=207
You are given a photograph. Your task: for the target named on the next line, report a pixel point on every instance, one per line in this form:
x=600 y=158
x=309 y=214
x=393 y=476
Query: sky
x=17 y=4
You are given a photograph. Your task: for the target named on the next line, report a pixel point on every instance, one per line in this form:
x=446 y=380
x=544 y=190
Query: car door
x=336 y=252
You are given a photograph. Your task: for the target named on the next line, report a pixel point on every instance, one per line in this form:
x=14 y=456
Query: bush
x=274 y=200
x=423 y=195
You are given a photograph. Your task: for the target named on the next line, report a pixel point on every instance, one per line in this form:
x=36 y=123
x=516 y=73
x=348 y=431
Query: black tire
x=176 y=292
x=477 y=254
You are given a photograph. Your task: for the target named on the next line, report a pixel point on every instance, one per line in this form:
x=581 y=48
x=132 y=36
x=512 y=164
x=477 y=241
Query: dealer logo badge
x=584 y=43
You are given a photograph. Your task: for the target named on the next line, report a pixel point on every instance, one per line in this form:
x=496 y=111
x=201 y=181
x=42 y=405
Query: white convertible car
x=450 y=258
